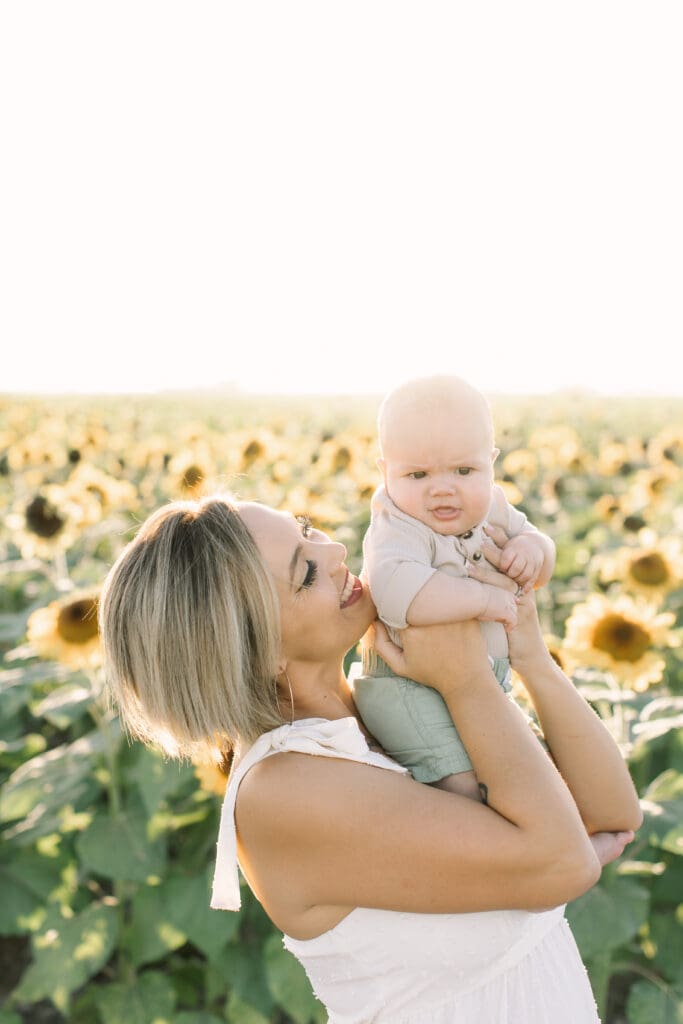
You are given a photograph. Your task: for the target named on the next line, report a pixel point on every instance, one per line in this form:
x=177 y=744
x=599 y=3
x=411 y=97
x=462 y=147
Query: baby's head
x=437 y=452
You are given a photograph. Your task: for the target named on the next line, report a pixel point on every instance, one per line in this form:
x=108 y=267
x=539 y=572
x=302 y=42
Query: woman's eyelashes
x=311 y=573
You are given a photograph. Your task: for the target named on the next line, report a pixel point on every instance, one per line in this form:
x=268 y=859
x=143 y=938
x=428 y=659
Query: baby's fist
x=522 y=560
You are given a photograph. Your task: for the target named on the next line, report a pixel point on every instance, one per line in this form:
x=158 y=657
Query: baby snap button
x=476 y=557
x=466 y=536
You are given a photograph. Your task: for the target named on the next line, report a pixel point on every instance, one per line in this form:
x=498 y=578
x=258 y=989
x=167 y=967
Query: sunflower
x=622 y=637
x=100 y=489
x=620 y=458
x=666 y=447
x=511 y=491
x=521 y=463
x=67 y=631
x=608 y=507
x=655 y=485
x=212 y=777
x=45 y=522
x=560 y=446
x=650 y=570
x=190 y=472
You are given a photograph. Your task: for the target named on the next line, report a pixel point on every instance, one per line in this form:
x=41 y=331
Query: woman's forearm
x=586 y=755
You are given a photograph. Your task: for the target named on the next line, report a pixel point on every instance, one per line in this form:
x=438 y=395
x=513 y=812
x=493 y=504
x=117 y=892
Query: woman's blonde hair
x=190 y=623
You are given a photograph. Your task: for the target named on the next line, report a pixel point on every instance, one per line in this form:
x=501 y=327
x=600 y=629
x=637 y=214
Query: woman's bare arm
x=588 y=758
x=318 y=832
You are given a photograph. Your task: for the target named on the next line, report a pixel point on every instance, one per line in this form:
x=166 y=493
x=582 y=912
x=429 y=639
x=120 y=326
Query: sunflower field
x=106 y=848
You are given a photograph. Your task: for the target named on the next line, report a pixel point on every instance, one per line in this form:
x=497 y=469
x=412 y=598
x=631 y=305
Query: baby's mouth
x=445 y=512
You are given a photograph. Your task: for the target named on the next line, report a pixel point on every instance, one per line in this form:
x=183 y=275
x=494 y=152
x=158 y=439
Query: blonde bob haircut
x=190 y=624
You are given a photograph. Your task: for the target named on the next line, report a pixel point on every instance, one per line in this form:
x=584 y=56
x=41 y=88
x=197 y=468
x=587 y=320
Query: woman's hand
x=445 y=656
x=527 y=647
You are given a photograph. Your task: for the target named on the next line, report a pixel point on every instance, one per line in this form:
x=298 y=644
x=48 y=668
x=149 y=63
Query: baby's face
x=439 y=469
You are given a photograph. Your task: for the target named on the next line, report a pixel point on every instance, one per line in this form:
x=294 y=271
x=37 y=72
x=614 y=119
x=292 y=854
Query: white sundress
x=387 y=967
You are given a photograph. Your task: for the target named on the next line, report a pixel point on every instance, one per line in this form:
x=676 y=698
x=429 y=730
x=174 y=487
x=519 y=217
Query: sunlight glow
x=314 y=198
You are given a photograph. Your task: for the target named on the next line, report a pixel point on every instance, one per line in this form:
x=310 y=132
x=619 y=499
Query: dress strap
x=341 y=738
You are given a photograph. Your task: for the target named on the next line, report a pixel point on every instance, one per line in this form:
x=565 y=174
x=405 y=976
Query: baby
x=428 y=524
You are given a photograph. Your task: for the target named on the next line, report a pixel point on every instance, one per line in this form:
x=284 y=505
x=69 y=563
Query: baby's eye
x=418 y=474
x=305 y=524
x=463 y=470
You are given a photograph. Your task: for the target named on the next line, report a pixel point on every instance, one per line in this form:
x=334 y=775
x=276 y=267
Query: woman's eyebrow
x=292 y=565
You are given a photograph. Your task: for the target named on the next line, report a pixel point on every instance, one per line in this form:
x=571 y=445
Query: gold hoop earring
x=291 y=697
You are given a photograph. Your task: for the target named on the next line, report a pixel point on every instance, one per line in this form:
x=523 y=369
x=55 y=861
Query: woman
x=227 y=625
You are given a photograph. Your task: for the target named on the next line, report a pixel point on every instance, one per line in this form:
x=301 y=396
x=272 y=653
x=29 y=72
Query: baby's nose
x=443 y=484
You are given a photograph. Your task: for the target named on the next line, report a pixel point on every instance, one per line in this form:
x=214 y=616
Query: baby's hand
x=521 y=559
x=500 y=606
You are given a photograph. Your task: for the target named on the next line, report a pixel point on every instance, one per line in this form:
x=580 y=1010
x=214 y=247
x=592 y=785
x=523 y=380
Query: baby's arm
x=445 y=598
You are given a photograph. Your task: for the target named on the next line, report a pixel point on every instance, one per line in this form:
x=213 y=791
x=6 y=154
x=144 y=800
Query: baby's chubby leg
x=463 y=783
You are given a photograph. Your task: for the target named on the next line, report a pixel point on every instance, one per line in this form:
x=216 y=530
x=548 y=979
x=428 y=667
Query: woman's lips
x=353 y=588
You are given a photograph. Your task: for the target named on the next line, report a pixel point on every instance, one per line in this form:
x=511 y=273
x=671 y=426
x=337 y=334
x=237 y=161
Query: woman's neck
x=318 y=693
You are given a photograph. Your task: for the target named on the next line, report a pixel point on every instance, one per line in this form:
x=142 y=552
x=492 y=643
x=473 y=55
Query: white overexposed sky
x=331 y=197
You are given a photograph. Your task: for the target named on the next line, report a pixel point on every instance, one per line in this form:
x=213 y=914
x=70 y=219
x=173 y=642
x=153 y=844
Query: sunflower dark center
x=651 y=569
x=622 y=639
x=77 y=621
x=43 y=518
x=192 y=476
x=253 y=450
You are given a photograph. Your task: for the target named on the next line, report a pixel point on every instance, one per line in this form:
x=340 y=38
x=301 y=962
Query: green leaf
x=119 y=846
x=650 y=1004
x=66 y=953
x=288 y=982
x=673 y=841
x=608 y=914
x=239 y=1012
x=196 y=1017
x=666 y=933
x=667 y=888
x=177 y=911
x=150 y=934
x=18 y=901
x=7 y=1017
x=660 y=820
x=243 y=968
x=37 y=791
x=667 y=786
x=157 y=778
x=150 y=999
x=187 y=899
x=64 y=705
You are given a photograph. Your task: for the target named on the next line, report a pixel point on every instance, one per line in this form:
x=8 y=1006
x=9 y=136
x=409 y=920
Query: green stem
x=644 y=972
x=601 y=971
x=123 y=966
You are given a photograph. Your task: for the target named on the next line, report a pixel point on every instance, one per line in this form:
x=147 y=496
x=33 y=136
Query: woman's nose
x=337 y=553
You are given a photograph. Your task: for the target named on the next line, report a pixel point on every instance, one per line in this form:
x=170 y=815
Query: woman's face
x=324 y=609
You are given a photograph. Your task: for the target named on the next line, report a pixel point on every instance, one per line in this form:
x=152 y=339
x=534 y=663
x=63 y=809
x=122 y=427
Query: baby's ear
x=494 y=455
x=382 y=467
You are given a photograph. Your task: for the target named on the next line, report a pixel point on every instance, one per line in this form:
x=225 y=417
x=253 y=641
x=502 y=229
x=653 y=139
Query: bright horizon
x=309 y=199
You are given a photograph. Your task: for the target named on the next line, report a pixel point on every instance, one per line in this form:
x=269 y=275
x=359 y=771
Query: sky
x=329 y=198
